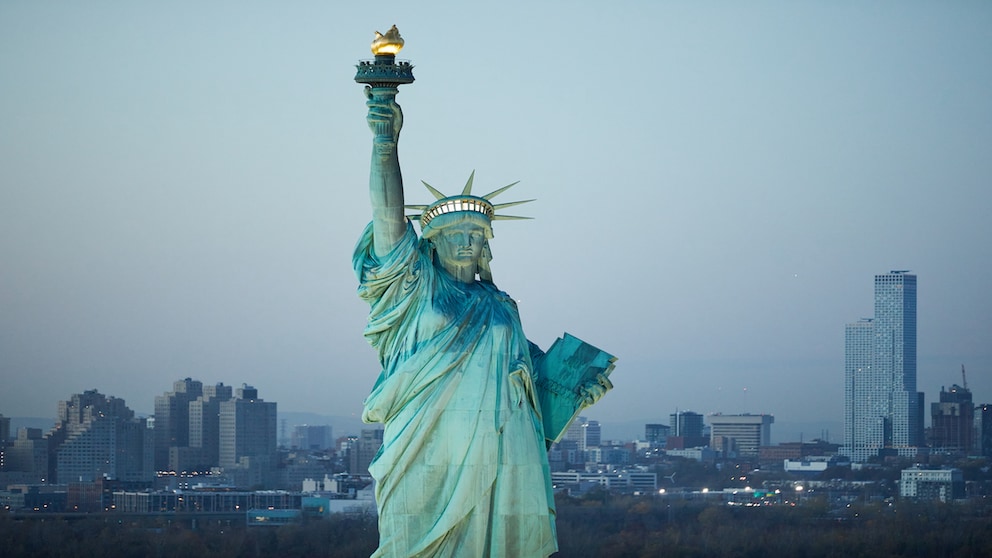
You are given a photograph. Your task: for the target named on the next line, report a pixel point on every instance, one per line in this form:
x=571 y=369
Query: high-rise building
x=4 y=438
x=686 y=424
x=740 y=434
x=98 y=437
x=882 y=409
x=247 y=429
x=363 y=449
x=655 y=434
x=4 y=429
x=592 y=435
x=983 y=429
x=685 y=430
x=28 y=454
x=585 y=433
x=952 y=421
x=172 y=419
x=204 y=425
x=312 y=437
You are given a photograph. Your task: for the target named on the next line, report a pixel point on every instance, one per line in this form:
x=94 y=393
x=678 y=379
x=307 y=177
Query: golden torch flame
x=390 y=43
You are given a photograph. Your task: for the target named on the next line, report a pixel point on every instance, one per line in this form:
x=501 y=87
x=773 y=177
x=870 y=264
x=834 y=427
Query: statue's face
x=460 y=245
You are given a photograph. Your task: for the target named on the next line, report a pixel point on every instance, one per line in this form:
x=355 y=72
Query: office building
x=952 y=421
x=655 y=434
x=172 y=419
x=740 y=435
x=864 y=408
x=983 y=429
x=4 y=430
x=574 y=434
x=28 y=454
x=312 y=437
x=932 y=484
x=204 y=427
x=592 y=435
x=98 y=437
x=247 y=429
x=883 y=412
x=686 y=430
x=362 y=450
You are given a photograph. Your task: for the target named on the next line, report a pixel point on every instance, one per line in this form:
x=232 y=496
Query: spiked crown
x=464 y=202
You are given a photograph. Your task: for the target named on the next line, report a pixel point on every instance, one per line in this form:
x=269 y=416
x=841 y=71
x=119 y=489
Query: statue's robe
x=463 y=468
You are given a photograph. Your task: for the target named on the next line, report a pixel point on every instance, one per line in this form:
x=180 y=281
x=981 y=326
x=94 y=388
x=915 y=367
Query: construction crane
x=964 y=379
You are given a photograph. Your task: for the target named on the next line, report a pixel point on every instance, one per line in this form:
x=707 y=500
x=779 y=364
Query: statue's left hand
x=592 y=393
x=385 y=117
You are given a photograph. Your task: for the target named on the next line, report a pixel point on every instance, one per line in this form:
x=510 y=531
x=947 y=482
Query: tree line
x=598 y=525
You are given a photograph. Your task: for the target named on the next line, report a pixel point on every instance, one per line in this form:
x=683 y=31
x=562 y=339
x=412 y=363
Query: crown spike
x=464 y=202
x=495 y=193
x=437 y=193
x=497 y=206
x=509 y=218
x=467 y=191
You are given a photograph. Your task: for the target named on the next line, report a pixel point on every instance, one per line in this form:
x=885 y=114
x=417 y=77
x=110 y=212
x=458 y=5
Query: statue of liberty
x=463 y=468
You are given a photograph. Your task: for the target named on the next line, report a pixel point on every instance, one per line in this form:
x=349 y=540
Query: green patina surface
x=468 y=404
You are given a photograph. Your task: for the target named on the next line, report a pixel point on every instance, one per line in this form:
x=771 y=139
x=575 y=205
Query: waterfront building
x=796 y=451
x=883 y=412
x=814 y=464
x=622 y=480
x=701 y=454
x=203 y=501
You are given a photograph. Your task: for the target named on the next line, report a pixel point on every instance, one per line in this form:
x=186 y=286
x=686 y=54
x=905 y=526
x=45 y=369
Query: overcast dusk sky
x=717 y=183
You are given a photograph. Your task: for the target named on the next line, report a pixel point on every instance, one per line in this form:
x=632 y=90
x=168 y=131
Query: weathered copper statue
x=463 y=469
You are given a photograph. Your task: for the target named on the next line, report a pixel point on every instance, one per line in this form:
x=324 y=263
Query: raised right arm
x=385 y=119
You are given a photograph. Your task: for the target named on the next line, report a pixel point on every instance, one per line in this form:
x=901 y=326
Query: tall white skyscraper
x=882 y=409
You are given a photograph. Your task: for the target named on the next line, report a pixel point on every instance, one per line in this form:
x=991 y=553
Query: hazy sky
x=182 y=185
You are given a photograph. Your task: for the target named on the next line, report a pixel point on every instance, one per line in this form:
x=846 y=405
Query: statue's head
x=461 y=239
x=472 y=216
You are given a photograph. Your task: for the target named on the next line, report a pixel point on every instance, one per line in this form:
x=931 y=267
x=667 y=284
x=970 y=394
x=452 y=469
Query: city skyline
x=203 y=439
x=181 y=188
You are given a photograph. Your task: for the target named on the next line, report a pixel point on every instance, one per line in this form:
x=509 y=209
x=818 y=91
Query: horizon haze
x=182 y=186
